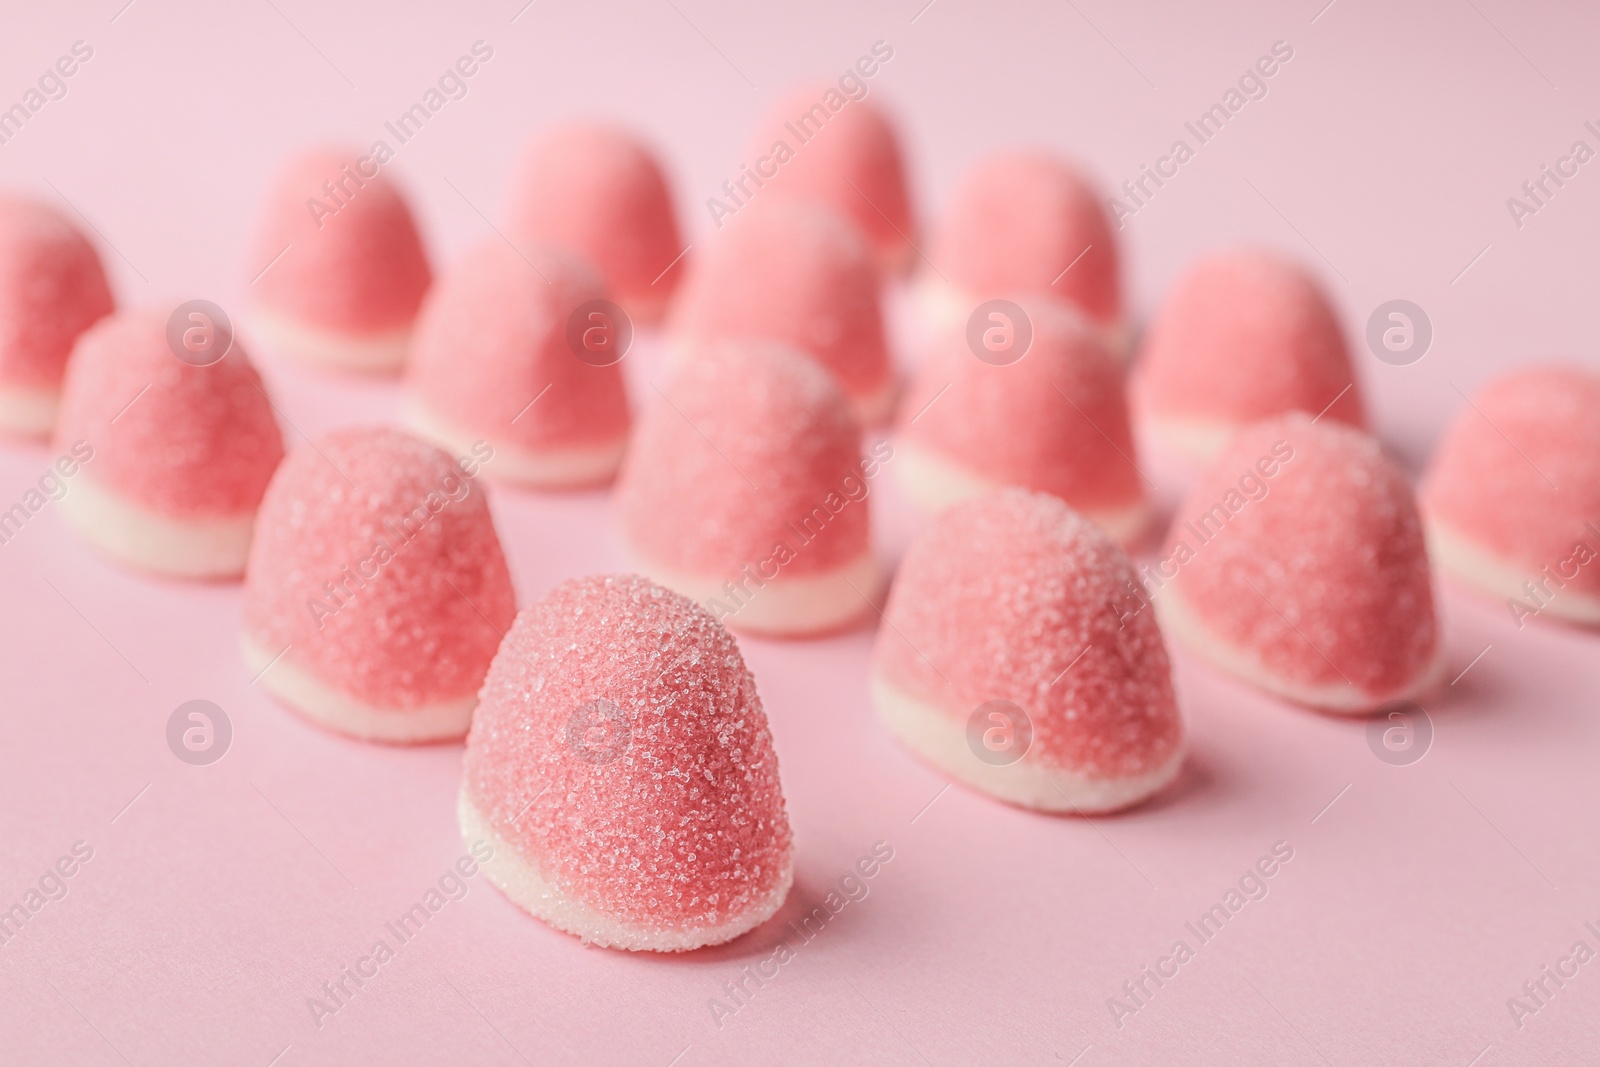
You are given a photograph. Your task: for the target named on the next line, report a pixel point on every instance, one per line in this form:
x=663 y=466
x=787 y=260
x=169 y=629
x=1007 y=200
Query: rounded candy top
x=621 y=747
x=1055 y=420
x=52 y=288
x=842 y=152
x=354 y=261
x=376 y=562
x=600 y=192
x=1018 y=222
x=1246 y=335
x=1518 y=472
x=749 y=445
x=183 y=440
x=1301 y=546
x=798 y=274
x=493 y=337
x=1014 y=596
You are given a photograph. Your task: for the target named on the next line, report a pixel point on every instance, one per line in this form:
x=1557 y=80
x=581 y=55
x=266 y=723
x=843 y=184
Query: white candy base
x=1180 y=623
x=446 y=720
x=785 y=606
x=942 y=741
x=213 y=547
x=522 y=884
x=935 y=483
x=383 y=352
x=556 y=468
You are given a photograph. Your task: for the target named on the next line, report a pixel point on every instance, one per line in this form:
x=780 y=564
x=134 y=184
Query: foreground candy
x=1026 y=223
x=1512 y=498
x=377 y=592
x=746 y=491
x=1245 y=335
x=497 y=359
x=600 y=192
x=343 y=270
x=818 y=144
x=621 y=769
x=798 y=274
x=52 y=288
x=1052 y=418
x=1298 y=564
x=181 y=453
x=1007 y=664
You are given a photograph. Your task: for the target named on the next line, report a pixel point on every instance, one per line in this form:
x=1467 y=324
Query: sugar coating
x=995 y=601
x=686 y=826
x=1056 y=420
x=600 y=192
x=492 y=337
x=360 y=268
x=1018 y=221
x=852 y=163
x=1324 y=580
x=52 y=288
x=403 y=559
x=794 y=273
x=737 y=412
x=1487 y=480
x=183 y=441
x=1246 y=335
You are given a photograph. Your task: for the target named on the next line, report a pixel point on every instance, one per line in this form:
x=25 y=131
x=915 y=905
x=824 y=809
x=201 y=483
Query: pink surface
x=1417 y=898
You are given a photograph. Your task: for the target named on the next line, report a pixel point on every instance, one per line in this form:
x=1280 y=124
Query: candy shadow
x=1197 y=782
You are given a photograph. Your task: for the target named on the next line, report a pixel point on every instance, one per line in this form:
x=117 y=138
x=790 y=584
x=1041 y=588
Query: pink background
x=224 y=896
